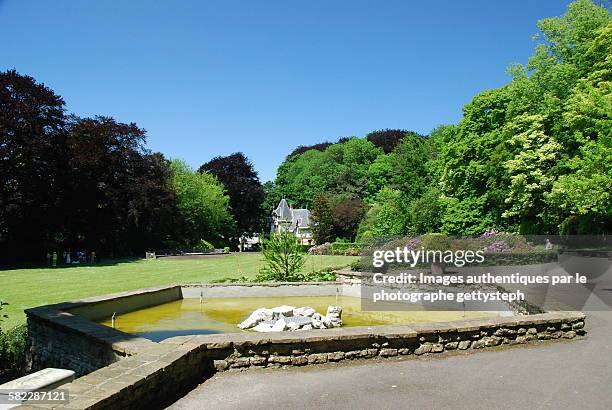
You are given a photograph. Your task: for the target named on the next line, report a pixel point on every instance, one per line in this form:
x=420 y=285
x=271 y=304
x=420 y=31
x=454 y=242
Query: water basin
x=220 y=315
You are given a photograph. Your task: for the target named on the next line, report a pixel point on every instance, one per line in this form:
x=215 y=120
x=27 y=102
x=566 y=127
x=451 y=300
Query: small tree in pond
x=284 y=258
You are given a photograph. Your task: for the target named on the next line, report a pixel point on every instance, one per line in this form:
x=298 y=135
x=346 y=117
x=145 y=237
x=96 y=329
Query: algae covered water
x=221 y=315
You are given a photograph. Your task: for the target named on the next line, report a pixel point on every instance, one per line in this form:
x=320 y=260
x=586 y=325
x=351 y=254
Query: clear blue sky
x=208 y=78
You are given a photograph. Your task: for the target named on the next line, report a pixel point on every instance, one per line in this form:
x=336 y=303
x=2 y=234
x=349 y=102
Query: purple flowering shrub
x=497 y=246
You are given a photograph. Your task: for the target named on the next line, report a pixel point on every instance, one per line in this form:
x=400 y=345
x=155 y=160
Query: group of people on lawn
x=81 y=257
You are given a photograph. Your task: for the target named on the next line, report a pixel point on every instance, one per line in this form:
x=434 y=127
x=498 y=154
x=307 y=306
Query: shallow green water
x=221 y=315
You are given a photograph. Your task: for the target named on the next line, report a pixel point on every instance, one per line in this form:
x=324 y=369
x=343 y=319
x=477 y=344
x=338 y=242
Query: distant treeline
x=532 y=157
x=90 y=185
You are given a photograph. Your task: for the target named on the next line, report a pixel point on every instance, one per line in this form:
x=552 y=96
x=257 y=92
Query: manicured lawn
x=25 y=288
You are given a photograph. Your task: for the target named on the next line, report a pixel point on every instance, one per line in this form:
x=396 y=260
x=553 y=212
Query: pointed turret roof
x=282 y=211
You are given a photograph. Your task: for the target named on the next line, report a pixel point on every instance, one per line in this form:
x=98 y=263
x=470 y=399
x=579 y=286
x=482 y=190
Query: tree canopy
x=242 y=185
x=90 y=184
x=532 y=156
x=202 y=203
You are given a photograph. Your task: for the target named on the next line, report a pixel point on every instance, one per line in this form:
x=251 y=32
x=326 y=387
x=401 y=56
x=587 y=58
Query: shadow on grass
x=101 y=263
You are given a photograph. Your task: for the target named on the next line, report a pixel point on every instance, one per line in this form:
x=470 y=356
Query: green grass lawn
x=25 y=288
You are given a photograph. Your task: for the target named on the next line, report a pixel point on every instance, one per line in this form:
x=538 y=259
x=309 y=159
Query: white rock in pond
x=282 y=318
x=292 y=326
x=258 y=315
x=326 y=322
x=306 y=311
x=334 y=313
x=280 y=325
x=296 y=322
x=263 y=327
x=284 y=310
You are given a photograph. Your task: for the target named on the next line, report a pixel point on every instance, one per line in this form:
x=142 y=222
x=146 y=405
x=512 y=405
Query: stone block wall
x=120 y=370
x=159 y=374
x=49 y=346
x=333 y=345
x=58 y=338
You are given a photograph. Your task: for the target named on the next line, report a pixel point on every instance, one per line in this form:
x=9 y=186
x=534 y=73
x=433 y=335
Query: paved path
x=569 y=375
x=576 y=374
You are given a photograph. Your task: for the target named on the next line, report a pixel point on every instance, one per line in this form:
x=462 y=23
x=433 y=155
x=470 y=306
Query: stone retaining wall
x=124 y=371
x=65 y=335
x=163 y=372
x=332 y=345
x=59 y=338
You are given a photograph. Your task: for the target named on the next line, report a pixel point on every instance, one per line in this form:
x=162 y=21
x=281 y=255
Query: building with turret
x=297 y=221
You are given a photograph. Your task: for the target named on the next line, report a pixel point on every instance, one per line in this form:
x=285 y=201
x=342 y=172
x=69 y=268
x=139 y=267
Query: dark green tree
x=242 y=185
x=323 y=220
x=32 y=148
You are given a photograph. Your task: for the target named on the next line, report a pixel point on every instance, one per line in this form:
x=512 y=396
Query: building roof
x=282 y=211
x=301 y=217
x=297 y=217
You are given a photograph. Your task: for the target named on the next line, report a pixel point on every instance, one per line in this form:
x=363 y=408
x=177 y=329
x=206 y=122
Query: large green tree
x=340 y=169
x=519 y=147
x=202 y=203
x=117 y=198
x=242 y=185
x=32 y=143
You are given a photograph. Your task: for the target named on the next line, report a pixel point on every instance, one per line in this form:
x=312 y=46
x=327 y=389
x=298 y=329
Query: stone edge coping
x=41 y=379
x=128 y=344
x=245 y=339
x=118 y=378
x=258 y=284
x=123 y=343
x=59 y=314
x=66 y=306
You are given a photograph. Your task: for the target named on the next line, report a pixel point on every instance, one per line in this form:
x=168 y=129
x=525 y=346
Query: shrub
x=12 y=349
x=172 y=245
x=204 y=245
x=226 y=249
x=346 y=248
x=284 y=259
x=436 y=241
x=323 y=249
x=2 y=316
x=325 y=275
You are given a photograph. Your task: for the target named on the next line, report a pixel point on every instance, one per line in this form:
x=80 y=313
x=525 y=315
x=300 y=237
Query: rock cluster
x=289 y=318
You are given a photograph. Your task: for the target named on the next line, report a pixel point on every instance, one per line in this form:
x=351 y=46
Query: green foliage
x=436 y=241
x=325 y=275
x=424 y=212
x=341 y=169
x=284 y=258
x=2 y=315
x=12 y=350
x=322 y=218
x=201 y=202
x=345 y=248
x=582 y=200
x=242 y=185
x=409 y=173
x=379 y=175
x=530 y=170
x=387 y=216
x=205 y=245
x=532 y=156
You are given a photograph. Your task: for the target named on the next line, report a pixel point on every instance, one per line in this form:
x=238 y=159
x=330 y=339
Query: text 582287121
x=33 y=396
